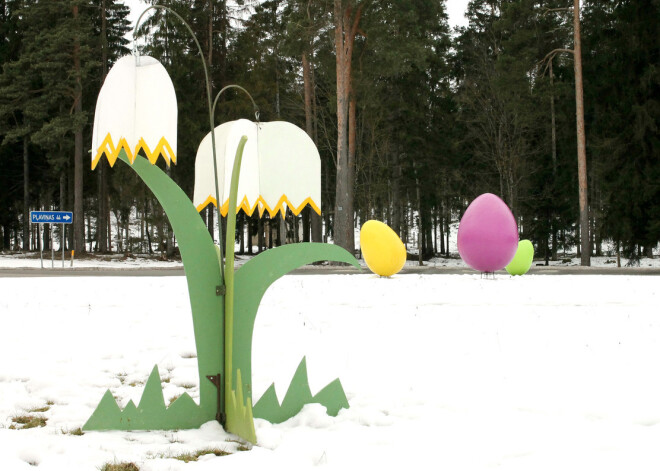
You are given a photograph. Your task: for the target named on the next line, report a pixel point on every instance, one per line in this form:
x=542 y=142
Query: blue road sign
x=51 y=217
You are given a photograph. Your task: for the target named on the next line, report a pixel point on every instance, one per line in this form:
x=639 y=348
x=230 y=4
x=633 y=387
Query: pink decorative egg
x=487 y=234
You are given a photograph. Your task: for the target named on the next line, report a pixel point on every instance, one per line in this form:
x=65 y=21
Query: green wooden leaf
x=252 y=281
x=203 y=274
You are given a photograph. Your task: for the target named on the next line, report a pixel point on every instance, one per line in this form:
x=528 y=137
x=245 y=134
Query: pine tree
x=11 y=170
x=624 y=113
x=405 y=99
x=110 y=22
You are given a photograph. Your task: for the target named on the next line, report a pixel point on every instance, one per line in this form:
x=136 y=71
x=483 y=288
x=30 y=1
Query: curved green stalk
x=217 y=97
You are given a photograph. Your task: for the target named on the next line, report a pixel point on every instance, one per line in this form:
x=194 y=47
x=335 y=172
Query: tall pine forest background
x=428 y=117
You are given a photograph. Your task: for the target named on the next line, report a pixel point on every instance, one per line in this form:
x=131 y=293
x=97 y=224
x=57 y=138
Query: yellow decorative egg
x=382 y=249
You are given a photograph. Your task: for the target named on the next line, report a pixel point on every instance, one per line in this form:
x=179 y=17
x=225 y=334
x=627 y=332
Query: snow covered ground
x=442 y=372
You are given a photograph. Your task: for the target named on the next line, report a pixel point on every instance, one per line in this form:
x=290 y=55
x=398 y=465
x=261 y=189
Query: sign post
x=52 y=217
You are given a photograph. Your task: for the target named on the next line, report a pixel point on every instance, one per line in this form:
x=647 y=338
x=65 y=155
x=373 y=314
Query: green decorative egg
x=522 y=261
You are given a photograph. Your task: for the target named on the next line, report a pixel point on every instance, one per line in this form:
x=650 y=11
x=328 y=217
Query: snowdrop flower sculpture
x=136 y=110
x=145 y=119
x=281 y=168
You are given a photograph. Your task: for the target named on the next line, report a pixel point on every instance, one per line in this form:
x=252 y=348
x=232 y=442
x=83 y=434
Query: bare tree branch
x=550 y=56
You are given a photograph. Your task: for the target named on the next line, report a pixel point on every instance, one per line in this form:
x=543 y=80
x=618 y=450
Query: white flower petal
x=281 y=168
x=136 y=109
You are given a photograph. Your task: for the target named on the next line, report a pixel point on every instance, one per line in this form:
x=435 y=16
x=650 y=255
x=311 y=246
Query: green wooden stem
x=229 y=266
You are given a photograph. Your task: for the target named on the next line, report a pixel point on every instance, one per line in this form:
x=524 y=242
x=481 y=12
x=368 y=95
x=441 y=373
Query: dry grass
x=119 y=467
x=242 y=446
x=77 y=432
x=194 y=456
x=28 y=421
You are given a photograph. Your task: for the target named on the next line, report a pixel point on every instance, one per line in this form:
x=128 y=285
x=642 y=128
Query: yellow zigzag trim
x=108 y=148
x=263 y=206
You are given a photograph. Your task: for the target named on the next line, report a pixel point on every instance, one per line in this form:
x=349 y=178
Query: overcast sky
x=455 y=10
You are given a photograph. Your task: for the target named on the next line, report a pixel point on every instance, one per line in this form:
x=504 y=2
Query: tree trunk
x=142 y=221
x=396 y=195
x=45 y=239
x=210 y=221
x=241 y=233
x=581 y=140
x=101 y=220
x=447 y=230
x=63 y=205
x=223 y=45
x=210 y=40
x=78 y=216
x=222 y=227
x=171 y=244
x=345 y=31
x=309 y=127
x=281 y=228
x=26 y=196
x=352 y=147
x=442 y=229
x=553 y=143
x=249 y=234
x=89 y=231
x=420 y=229
x=306 y=213
x=553 y=129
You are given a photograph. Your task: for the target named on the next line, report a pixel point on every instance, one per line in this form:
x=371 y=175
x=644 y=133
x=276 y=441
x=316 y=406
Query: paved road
x=320 y=270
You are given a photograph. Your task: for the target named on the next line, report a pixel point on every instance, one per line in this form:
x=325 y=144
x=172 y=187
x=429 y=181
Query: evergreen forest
x=412 y=119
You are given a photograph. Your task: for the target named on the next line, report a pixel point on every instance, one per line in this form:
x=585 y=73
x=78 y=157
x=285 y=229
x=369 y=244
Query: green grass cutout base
x=149 y=414
x=332 y=397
